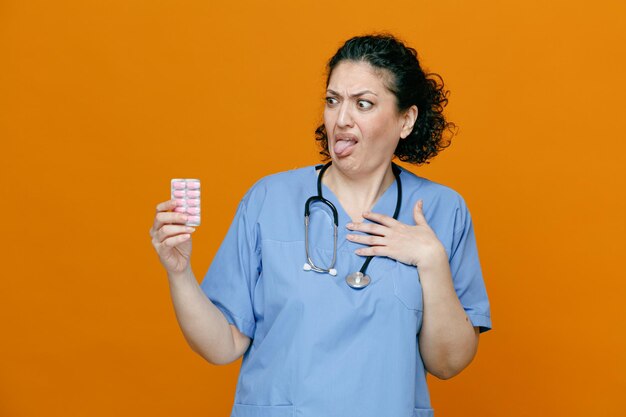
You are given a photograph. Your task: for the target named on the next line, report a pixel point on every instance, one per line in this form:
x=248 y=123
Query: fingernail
x=349 y=225
x=190 y=229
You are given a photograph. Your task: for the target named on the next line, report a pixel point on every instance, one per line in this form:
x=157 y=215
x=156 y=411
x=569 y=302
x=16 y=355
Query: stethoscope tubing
x=319 y=197
x=306 y=233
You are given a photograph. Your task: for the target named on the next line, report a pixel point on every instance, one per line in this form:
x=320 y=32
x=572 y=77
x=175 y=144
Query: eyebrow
x=360 y=93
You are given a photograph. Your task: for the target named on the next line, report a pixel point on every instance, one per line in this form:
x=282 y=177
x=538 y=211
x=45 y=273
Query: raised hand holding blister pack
x=174 y=222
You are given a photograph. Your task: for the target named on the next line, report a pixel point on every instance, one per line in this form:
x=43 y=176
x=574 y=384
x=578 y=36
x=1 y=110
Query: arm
x=448 y=341
x=204 y=326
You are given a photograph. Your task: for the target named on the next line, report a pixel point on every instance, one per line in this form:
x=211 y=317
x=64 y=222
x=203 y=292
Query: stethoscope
x=356 y=280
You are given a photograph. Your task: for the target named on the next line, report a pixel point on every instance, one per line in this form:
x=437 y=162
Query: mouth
x=344 y=144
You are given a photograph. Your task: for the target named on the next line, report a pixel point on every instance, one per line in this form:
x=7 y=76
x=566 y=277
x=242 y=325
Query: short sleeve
x=231 y=278
x=466 y=271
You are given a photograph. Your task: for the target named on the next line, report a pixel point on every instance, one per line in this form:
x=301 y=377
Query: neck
x=358 y=192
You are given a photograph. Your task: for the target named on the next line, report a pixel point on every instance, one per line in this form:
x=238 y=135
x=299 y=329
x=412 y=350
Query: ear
x=408 y=121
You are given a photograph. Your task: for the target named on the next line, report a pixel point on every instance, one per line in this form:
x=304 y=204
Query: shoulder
x=423 y=188
x=288 y=178
x=444 y=207
x=278 y=186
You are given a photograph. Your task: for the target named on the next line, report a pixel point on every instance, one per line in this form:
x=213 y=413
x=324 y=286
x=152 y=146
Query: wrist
x=436 y=259
x=184 y=275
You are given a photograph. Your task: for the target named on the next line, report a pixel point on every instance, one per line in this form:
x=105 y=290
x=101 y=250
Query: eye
x=364 y=104
x=331 y=101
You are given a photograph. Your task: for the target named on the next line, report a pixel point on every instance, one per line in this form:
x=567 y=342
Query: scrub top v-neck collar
x=385 y=204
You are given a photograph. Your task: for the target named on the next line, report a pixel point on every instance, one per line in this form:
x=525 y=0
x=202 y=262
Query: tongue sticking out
x=343 y=147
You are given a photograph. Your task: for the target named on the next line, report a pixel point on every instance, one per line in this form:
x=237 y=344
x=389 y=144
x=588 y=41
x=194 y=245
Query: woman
x=321 y=340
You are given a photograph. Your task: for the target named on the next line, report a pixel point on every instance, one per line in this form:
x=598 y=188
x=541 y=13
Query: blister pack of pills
x=186 y=192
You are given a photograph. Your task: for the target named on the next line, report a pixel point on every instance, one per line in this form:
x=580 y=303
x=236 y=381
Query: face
x=361 y=117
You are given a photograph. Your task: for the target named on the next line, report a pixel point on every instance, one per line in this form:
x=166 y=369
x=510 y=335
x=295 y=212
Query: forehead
x=359 y=75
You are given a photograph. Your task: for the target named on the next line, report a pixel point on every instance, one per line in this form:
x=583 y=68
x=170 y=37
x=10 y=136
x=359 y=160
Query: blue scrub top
x=319 y=347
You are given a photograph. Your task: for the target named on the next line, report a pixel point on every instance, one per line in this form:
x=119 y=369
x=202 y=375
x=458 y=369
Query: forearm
x=447 y=339
x=204 y=326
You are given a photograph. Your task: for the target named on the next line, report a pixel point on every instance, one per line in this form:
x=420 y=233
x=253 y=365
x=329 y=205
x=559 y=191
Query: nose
x=344 y=118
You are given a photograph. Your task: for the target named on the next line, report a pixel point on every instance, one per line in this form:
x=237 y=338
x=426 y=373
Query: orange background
x=101 y=103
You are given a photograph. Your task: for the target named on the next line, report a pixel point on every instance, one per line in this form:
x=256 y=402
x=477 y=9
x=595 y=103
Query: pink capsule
x=193 y=202
x=193 y=185
x=179 y=193
x=179 y=209
x=180 y=201
x=193 y=210
x=178 y=185
x=193 y=220
x=193 y=194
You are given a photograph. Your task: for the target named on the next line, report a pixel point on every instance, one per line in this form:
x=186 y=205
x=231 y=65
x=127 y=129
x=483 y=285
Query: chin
x=348 y=163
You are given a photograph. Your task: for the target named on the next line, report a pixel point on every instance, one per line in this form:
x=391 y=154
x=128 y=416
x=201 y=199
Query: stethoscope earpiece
x=307 y=267
x=356 y=280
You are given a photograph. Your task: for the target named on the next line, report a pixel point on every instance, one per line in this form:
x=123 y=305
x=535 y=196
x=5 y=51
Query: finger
x=418 y=213
x=161 y=207
x=176 y=240
x=367 y=239
x=170 y=230
x=373 y=251
x=380 y=218
x=168 y=217
x=371 y=228
x=166 y=205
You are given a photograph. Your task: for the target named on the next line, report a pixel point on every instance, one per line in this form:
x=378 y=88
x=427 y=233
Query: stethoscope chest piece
x=358 y=280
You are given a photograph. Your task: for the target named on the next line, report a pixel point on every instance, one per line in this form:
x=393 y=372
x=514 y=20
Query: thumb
x=418 y=214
